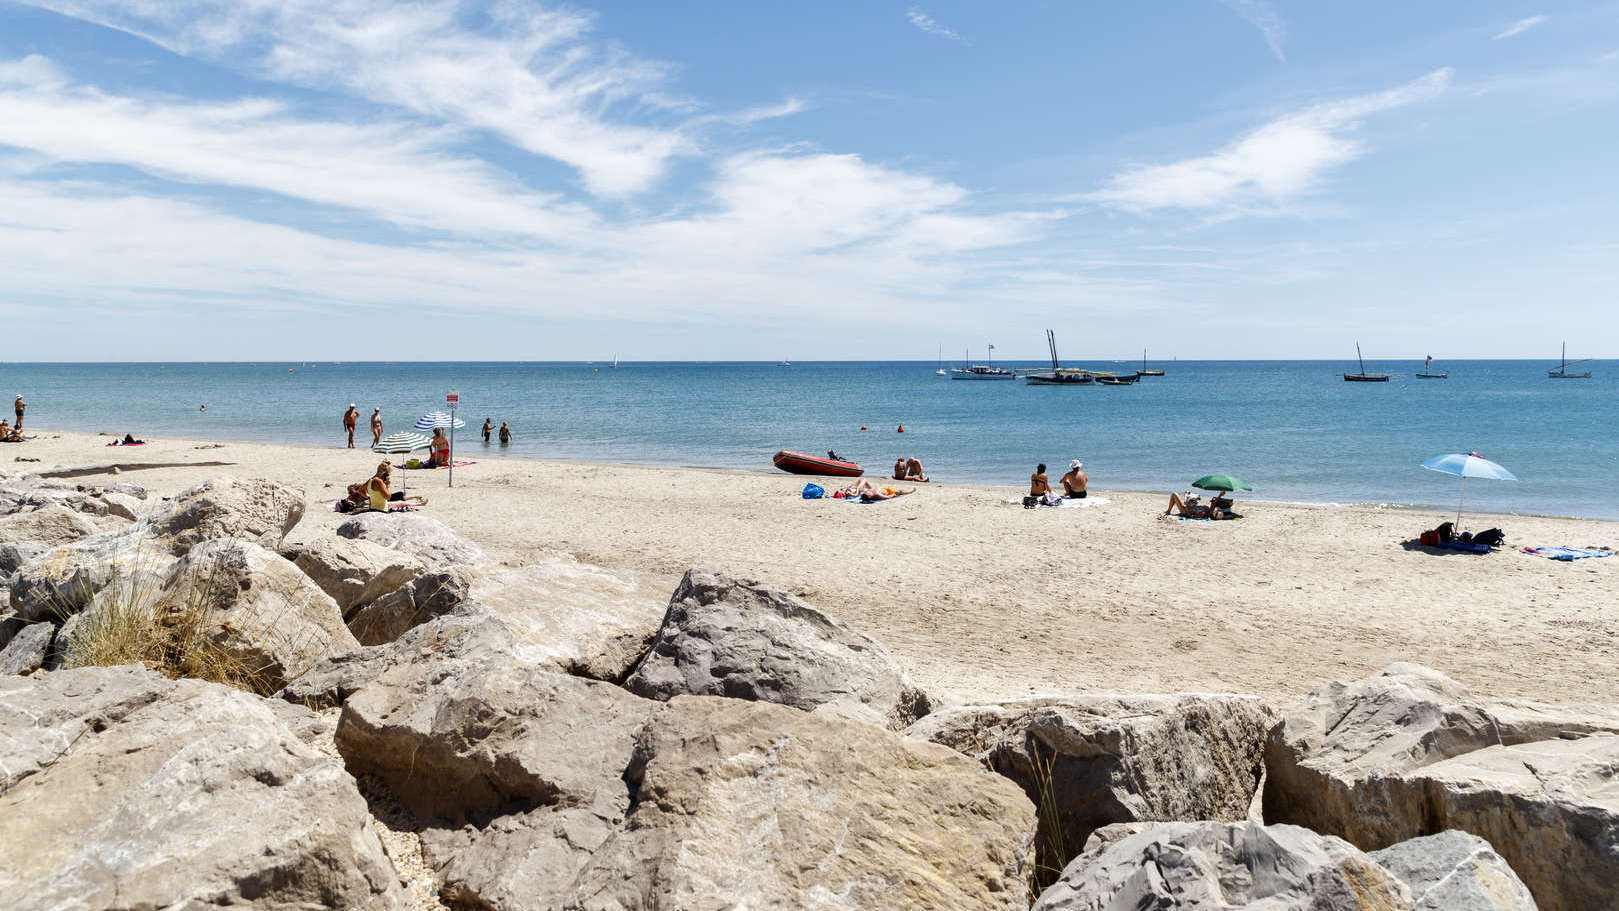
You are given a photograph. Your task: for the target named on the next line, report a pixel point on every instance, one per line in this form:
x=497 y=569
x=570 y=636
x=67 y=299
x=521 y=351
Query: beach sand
x=984 y=600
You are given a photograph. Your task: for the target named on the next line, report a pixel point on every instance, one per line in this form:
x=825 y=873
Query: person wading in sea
x=21 y=406
x=376 y=426
x=351 y=417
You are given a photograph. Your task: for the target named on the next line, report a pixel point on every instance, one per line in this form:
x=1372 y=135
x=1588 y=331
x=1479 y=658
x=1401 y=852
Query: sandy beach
x=981 y=599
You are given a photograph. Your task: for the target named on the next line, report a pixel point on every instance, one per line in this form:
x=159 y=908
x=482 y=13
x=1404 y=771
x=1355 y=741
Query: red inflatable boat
x=799 y=463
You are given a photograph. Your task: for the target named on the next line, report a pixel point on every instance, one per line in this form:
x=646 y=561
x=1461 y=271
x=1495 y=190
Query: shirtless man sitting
x=1073 y=483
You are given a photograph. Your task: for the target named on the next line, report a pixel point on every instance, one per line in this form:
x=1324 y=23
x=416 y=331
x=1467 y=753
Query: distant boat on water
x=784 y=363
x=1363 y=376
x=1428 y=373
x=941 y=371
x=982 y=371
x=1057 y=375
x=1561 y=372
x=1144 y=371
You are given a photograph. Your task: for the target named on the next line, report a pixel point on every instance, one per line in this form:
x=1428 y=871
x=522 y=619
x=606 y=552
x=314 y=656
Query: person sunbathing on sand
x=871 y=493
x=1192 y=509
x=378 y=496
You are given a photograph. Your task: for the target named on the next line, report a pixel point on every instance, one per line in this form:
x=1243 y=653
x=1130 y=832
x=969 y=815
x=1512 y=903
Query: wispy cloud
x=1267 y=167
x=1519 y=27
x=930 y=25
x=1261 y=15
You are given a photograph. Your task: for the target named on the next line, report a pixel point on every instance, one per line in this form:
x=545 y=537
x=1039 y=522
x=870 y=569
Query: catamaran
x=1560 y=372
x=1363 y=376
x=982 y=371
x=1428 y=373
x=1058 y=375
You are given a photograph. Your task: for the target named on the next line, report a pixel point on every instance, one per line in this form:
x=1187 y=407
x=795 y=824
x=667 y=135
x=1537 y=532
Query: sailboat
x=982 y=371
x=941 y=371
x=1427 y=371
x=1363 y=376
x=1144 y=371
x=615 y=362
x=784 y=363
x=1057 y=375
x=1560 y=372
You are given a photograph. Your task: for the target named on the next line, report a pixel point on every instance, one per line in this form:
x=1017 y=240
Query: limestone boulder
x=258 y=511
x=431 y=594
x=1213 y=865
x=525 y=859
x=577 y=618
x=353 y=572
x=729 y=637
x=62 y=581
x=427 y=539
x=469 y=740
x=773 y=808
x=468 y=632
x=47 y=527
x=121 y=505
x=1102 y=759
x=27 y=650
x=1410 y=752
x=122 y=789
x=264 y=610
x=1455 y=871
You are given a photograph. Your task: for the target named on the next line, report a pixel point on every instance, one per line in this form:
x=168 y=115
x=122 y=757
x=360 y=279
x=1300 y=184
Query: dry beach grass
x=982 y=600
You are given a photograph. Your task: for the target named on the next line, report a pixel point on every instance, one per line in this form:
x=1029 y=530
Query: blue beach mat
x=1567 y=554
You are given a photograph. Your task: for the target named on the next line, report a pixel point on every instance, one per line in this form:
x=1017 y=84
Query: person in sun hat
x=351 y=417
x=1074 y=482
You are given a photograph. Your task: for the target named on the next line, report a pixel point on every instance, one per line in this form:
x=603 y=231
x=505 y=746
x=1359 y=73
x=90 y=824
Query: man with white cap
x=1073 y=483
x=20 y=406
x=351 y=417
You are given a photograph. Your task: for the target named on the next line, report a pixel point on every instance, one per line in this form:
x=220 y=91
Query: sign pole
x=452 y=398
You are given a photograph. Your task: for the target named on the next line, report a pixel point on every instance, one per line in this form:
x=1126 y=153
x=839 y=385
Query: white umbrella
x=1467 y=465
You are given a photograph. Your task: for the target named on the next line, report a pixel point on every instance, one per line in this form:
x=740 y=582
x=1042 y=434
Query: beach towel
x=1086 y=503
x=1567 y=554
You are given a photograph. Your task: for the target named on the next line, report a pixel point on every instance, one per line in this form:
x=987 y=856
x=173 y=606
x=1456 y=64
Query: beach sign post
x=452 y=398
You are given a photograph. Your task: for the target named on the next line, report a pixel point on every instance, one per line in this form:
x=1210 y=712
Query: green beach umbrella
x=1221 y=482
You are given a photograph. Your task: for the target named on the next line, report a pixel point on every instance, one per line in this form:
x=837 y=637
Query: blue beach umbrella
x=434 y=419
x=1467 y=465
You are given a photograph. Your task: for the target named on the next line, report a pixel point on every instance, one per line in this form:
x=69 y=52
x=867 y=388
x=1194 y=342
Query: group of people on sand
x=351 y=420
x=375 y=493
x=489 y=427
x=1074 y=484
x=908 y=468
x=12 y=433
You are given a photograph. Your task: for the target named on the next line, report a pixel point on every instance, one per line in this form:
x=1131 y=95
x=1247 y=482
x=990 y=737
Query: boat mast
x=1051 y=342
x=1361 y=359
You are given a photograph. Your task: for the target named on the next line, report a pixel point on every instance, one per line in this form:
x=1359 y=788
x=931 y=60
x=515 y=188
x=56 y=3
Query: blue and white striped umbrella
x=434 y=419
x=1467 y=465
x=402 y=442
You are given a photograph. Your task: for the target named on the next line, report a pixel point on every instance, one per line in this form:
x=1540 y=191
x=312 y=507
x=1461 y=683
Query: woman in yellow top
x=376 y=491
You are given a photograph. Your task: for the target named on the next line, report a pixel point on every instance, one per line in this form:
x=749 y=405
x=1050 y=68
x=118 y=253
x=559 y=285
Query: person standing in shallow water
x=20 y=406
x=505 y=434
x=351 y=417
x=376 y=426
x=488 y=428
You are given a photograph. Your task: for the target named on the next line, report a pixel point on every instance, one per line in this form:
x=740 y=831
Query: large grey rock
x=62 y=581
x=123 y=789
x=424 y=537
x=727 y=637
x=469 y=739
x=353 y=572
x=1091 y=761
x=1455 y=871
x=752 y=805
x=522 y=860
x=577 y=618
x=258 y=511
x=26 y=651
x=1410 y=752
x=47 y=527
x=268 y=614
x=1204 y=866
x=121 y=505
x=432 y=594
x=466 y=632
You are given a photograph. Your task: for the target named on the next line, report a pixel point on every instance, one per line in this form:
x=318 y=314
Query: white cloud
x=930 y=25
x=1519 y=27
x=1262 y=16
x=1270 y=165
x=530 y=76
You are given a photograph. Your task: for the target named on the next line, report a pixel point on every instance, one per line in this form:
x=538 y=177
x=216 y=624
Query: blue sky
x=361 y=179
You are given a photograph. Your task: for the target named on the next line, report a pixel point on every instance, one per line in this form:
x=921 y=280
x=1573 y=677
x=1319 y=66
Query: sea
x=1293 y=429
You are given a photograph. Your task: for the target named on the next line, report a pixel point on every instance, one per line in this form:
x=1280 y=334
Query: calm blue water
x=1292 y=429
